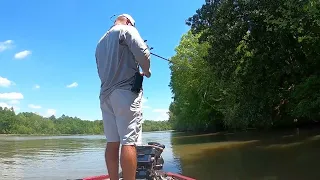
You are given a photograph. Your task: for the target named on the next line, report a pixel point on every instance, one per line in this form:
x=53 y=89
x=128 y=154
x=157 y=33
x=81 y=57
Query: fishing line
x=156 y=54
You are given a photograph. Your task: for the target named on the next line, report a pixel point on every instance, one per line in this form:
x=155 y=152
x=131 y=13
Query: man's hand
x=146 y=75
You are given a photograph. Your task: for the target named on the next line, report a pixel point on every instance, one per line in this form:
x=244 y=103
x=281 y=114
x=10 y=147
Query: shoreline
x=50 y=134
x=3 y=135
x=308 y=126
x=188 y=133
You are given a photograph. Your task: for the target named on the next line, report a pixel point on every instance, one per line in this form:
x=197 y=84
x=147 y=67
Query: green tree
x=258 y=61
x=195 y=91
x=7 y=119
x=149 y=125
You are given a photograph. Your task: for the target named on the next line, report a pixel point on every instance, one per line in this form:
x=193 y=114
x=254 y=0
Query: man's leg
x=112 y=159
x=128 y=162
x=113 y=140
x=127 y=109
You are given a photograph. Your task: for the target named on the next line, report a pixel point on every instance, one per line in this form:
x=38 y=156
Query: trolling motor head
x=150 y=161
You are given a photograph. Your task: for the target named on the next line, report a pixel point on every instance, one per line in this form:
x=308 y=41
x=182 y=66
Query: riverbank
x=49 y=134
x=198 y=134
x=3 y=135
x=309 y=125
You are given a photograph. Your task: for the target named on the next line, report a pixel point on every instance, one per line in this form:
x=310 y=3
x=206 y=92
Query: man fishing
x=119 y=53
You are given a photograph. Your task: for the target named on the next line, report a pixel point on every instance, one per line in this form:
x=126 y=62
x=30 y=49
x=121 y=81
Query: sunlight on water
x=63 y=157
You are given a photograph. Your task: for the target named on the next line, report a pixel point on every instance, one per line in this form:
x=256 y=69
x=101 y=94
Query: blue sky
x=48 y=45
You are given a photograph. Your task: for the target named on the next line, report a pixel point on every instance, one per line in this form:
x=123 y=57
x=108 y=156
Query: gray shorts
x=122 y=117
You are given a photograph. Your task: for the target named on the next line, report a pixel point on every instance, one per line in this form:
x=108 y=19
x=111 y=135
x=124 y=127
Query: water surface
x=242 y=156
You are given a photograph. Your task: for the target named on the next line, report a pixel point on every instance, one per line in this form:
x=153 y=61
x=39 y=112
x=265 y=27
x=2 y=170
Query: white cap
x=130 y=18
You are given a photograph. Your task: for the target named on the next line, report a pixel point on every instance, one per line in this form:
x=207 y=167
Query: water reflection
x=46 y=157
x=241 y=156
x=250 y=156
x=33 y=147
x=64 y=157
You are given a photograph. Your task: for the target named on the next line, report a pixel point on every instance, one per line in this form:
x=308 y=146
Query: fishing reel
x=149 y=161
x=150 y=48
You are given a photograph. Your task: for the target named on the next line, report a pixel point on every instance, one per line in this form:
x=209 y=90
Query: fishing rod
x=161 y=57
x=148 y=46
x=156 y=54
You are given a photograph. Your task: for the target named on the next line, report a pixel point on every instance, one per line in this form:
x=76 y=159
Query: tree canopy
x=248 y=64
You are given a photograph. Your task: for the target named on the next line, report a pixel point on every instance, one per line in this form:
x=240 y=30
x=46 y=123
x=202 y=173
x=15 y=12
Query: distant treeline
x=31 y=123
x=149 y=125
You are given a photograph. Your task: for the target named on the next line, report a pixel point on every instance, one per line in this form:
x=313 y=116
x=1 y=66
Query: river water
x=287 y=155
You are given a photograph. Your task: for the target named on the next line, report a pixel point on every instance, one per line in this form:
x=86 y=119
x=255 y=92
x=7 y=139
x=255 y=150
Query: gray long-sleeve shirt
x=118 y=54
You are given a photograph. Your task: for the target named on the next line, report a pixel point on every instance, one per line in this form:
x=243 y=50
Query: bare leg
x=112 y=159
x=128 y=162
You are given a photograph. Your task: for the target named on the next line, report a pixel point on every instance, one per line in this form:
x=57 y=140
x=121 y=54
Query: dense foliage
x=31 y=123
x=149 y=125
x=248 y=64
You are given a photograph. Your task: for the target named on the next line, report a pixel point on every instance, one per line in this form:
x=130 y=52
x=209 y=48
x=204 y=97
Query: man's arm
x=139 y=49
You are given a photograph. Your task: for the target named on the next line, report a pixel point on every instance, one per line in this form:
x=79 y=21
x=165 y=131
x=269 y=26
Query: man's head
x=125 y=19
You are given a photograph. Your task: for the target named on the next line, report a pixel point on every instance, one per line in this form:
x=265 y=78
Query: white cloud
x=47 y=113
x=4 y=82
x=14 y=102
x=32 y=106
x=5 y=105
x=5 y=45
x=11 y=96
x=50 y=112
x=36 y=86
x=22 y=54
x=146 y=107
x=162 y=114
x=75 y=84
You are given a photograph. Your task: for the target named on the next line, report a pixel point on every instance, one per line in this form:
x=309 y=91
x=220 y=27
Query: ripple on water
x=214 y=156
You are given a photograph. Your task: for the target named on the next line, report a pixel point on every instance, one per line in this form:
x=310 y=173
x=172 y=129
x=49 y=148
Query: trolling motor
x=149 y=166
x=150 y=161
